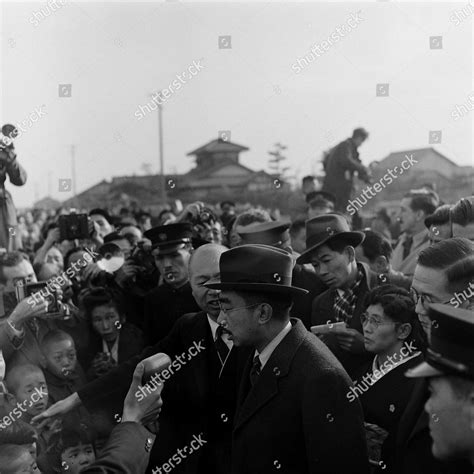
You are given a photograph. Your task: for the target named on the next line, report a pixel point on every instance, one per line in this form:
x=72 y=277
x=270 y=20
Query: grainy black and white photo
x=236 y=237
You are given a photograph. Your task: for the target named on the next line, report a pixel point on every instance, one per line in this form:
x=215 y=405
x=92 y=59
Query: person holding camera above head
x=9 y=166
x=23 y=323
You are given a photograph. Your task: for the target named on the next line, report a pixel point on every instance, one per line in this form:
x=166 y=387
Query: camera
x=9 y=132
x=36 y=291
x=73 y=226
x=142 y=257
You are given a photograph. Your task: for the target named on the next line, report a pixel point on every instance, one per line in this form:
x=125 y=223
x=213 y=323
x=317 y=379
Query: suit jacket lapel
x=267 y=385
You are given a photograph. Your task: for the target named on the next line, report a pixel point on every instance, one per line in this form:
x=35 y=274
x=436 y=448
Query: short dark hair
x=280 y=303
x=70 y=252
x=460 y=274
x=19 y=432
x=463 y=211
x=230 y=203
x=382 y=215
x=103 y=213
x=398 y=305
x=376 y=245
x=308 y=178
x=55 y=336
x=439 y=217
x=360 y=132
x=442 y=255
x=426 y=202
x=251 y=216
x=10 y=259
x=100 y=296
x=296 y=226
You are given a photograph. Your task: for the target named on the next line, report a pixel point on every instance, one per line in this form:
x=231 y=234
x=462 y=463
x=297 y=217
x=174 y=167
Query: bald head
x=204 y=268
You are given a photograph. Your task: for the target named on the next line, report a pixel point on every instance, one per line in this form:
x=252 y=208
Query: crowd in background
x=370 y=286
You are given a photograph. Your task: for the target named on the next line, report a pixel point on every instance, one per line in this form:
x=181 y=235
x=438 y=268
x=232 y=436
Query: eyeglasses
x=425 y=299
x=227 y=311
x=373 y=321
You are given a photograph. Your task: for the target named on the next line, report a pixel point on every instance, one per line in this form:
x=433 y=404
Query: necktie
x=255 y=370
x=407 y=247
x=221 y=346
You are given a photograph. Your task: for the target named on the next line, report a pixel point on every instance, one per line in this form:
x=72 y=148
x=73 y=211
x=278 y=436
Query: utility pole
x=73 y=172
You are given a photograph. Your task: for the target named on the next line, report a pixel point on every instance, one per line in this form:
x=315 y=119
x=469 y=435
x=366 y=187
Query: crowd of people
x=324 y=344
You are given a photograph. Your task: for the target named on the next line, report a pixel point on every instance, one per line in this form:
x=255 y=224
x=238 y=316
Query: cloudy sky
x=106 y=58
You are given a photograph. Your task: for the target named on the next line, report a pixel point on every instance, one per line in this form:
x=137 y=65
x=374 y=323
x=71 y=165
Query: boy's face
x=31 y=393
x=76 y=458
x=25 y=464
x=61 y=357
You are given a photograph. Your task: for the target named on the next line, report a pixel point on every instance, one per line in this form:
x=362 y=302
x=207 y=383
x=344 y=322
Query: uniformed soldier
x=171 y=248
x=449 y=370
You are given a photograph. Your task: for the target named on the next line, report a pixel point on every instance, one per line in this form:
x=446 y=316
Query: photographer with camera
x=26 y=317
x=9 y=238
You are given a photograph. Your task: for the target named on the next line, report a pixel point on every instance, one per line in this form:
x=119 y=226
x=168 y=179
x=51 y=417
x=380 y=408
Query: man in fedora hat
x=171 y=248
x=292 y=410
x=277 y=234
x=449 y=370
x=330 y=249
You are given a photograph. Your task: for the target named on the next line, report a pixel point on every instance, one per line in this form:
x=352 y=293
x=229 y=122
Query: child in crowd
x=15 y=459
x=74 y=450
x=27 y=397
x=63 y=373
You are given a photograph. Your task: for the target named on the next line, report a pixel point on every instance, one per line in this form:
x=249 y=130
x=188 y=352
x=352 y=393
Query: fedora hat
x=322 y=229
x=257 y=268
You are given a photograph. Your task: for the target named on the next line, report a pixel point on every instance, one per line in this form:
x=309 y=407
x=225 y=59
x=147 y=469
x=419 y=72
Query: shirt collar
x=114 y=350
x=267 y=352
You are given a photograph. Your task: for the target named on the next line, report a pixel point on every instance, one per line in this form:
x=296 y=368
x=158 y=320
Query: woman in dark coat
x=112 y=340
x=9 y=166
x=393 y=334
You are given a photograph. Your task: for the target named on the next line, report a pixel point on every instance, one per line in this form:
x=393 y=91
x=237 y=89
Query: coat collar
x=250 y=400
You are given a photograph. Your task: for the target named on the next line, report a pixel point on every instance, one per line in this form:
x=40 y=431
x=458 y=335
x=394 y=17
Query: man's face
x=103 y=226
x=13 y=275
x=205 y=269
x=450 y=420
x=27 y=396
x=439 y=232
x=380 y=334
x=106 y=322
x=358 y=141
x=61 y=357
x=173 y=266
x=228 y=210
x=55 y=256
x=298 y=241
x=332 y=267
x=431 y=285
x=408 y=217
x=242 y=323
x=211 y=232
x=76 y=458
